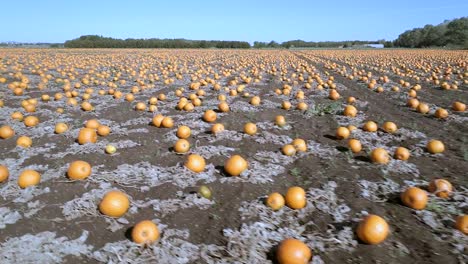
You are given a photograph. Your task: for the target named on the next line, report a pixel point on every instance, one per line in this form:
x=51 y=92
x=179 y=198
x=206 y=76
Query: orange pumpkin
x=458 y=107
x=380 y=155
x=415 y=198
x=87 y=135
x=182 y=146
x=235 y=165
x=6 y=132
x=300 y=145
x=216 y=128
x=355 y=145
x=4 y=173
x=250 y=129
x=401 y=153
x=114 y=204
x=435 y=146
x=92 y=123
x=195 y=163
x=288 y=150
x=209 y=116
x=275 y=201
x=103 y=130
x=60 y=128
x=157 y=120
x=342 y=133
x=31 y=121
x=350 y=111
x=183 y=132
x=389 y=127
x=373 y=229
x=145 y=232
x=24 y=142
x=280 y=121
x=79 y=170
x=293 y=251
x=223 y=107
x=296 y=198
x=370 y=126
x=462 y=224
x=167 y=122
x=28 y=178
x=441 y=113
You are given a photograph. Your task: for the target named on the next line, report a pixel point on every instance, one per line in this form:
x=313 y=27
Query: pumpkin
x=145 y=232
x=422 y=108
x=17 y=116
x=167 y=122
x=293 y=251
x=288 y=150
x=440 y=187
x=296 y=198
x=401 y=153
x=458 y=107
x=370 y=126
x=223 y=107
x=415 y=198
x=250 y=129
x=60 y=128
x=300 y=145
x=31 y=121
x=182 y=146
x=79 y=170
x=389 y=127
x=205 y=192
x=157 y=120
x=373 y=229
x=380 y=155
x=461 y=224
x=28 y=178
x=255 y=100
x=275 y=201
x=209 y=116
x=183 y=132
x=342 y=133
x=435 y=146
x=280 y=121
x=103 y=130
x=350 y=111
x=286 y=105
x=354 y=145
x=302 y=106
x=92 y=123
x=114 y=204
x=24 y=142
x=441 y=113
x=87 y=135
x=6 y=132
x=195 y=163
x=217 y=128
x=235 y=165
x=4 y=173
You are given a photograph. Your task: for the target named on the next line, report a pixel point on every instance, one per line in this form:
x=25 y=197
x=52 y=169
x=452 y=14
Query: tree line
x=449 y=33
x=452 y=33
x=94 y=41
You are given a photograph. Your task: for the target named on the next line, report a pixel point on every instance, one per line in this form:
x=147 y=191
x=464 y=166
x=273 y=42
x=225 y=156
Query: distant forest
x=94 y=41
x=450 y=33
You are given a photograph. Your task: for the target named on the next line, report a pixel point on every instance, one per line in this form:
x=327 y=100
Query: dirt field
x=58 y=220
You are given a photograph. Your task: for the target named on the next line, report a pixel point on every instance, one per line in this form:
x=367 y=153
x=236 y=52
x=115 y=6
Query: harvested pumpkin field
x=233 y=156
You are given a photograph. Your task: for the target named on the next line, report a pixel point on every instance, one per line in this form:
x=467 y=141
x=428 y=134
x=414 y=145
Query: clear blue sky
x=57 y=21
